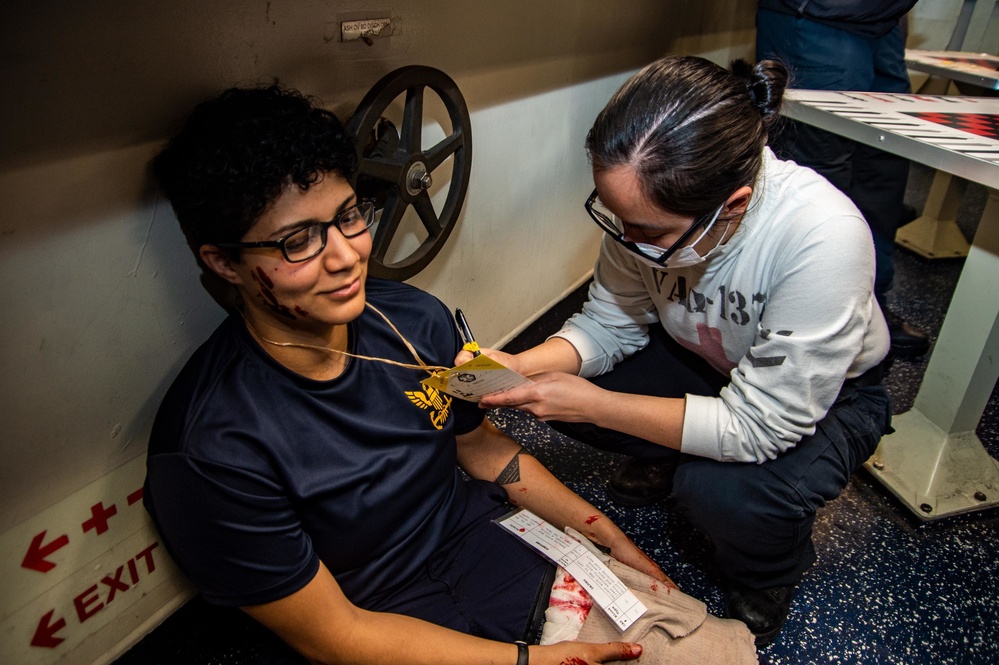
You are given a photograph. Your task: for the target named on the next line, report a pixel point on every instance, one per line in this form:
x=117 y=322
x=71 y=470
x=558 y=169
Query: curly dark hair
x=237 y=152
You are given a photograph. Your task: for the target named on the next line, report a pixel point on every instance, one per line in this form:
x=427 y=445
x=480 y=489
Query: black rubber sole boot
x=906 y=341
x=641 y=482
x=764 y=611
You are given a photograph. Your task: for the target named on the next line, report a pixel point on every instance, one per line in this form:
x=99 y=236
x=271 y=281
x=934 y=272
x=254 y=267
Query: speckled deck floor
x=886 y=588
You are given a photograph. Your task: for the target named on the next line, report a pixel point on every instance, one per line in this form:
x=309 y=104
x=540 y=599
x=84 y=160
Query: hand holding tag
x=478 y=377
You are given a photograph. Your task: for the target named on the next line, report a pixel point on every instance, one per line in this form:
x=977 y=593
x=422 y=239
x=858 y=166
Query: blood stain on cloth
x=569 y=596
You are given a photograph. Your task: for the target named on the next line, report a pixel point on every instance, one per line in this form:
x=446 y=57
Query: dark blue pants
x=483 y=581
x=758 y=516
x=825 y=58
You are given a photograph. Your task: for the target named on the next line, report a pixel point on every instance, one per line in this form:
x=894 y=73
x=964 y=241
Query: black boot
x=640 y=482
x=764 y=611
x=906 y=341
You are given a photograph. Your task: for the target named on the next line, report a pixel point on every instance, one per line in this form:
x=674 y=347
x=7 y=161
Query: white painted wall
x=101 y=298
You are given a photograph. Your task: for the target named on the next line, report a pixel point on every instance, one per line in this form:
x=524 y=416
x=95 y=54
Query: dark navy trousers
x=759 y=517
x=482 y=581
x=821 y=57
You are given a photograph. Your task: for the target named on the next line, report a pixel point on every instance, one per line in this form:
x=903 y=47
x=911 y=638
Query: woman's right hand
x=552 y=396
x=583 y=653
x=552 y=355
x=505 y=359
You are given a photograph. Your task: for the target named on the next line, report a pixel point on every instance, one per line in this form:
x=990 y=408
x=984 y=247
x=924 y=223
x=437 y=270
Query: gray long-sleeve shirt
x=785 y=308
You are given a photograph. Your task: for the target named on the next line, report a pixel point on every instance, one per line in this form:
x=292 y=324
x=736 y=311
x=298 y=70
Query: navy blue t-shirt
x=256 y=473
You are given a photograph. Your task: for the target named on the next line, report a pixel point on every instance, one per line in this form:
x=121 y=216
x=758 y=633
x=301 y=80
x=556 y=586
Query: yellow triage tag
x=479 y=376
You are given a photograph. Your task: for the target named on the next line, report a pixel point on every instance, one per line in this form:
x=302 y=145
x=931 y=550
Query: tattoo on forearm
x=511 y=472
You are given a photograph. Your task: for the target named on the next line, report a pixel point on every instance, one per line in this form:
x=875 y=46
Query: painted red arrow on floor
x=35 y=558
x=45 y=634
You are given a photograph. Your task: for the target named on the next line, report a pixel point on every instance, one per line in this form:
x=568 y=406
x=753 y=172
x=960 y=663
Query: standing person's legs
x=878 y=189
x=825 y=58
x=879 y=177
x=661 y=369
x=819 y=58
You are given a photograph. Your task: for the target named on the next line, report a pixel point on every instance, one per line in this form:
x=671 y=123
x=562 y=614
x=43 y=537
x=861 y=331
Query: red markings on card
x=35 y=559
x=99 y=517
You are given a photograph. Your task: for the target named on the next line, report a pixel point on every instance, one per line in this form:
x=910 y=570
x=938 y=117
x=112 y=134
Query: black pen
x=466 y=332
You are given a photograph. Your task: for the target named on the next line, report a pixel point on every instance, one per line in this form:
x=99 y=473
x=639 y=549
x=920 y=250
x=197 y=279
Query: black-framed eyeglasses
x=605 y=219
x=306 y=242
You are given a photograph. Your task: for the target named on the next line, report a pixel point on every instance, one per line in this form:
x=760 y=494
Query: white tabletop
x=979 y=69
x=934 y=462
x=959 y=135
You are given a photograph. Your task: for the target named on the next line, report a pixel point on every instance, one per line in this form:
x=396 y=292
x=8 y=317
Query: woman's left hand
x=629 y=554
x=601 y=531
x=551 y=396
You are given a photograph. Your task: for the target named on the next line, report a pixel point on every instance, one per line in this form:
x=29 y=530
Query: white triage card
x=478 y=377
x=609 y=592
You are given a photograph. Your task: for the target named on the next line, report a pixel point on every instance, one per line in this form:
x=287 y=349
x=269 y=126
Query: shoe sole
x=765 y=639
x=761 y=639
x=911 y=352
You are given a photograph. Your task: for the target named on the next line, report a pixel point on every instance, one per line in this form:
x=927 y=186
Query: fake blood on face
x=275 y=306
x=265 y=283
x=264 y=278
